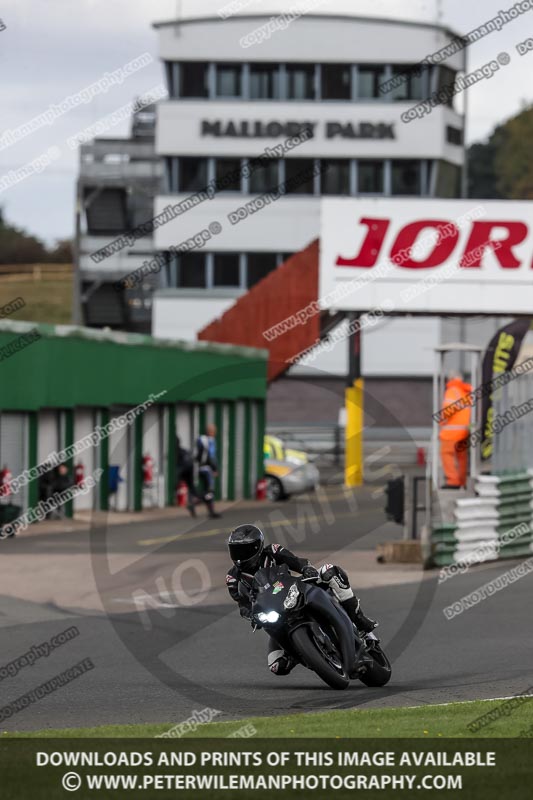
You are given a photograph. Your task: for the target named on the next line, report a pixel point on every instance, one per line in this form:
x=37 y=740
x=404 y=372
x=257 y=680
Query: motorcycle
x=310 y=624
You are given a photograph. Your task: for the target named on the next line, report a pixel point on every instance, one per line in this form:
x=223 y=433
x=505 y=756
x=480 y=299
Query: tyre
x=379 y=673
x=314 y=656
x=275 y=491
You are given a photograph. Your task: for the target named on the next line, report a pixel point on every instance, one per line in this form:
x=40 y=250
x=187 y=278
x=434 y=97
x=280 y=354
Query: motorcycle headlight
x=292 y=597
x=270 y=616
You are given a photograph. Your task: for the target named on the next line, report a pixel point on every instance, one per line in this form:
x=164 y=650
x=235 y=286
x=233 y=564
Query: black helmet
x=245 y=545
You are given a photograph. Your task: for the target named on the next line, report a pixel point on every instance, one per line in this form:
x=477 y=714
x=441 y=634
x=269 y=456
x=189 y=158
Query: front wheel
x=379 y=672
x=314 y=655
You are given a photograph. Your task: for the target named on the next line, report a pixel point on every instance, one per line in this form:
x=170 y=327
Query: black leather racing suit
x=239 y=583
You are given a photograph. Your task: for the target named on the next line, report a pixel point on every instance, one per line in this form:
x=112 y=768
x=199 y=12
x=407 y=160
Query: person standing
x=61 y=481
x=45 y=485
x=206 y=457
x=455 y=428
x=185 y=473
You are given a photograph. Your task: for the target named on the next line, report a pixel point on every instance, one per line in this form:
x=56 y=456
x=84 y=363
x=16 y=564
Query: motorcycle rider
x=247 y=550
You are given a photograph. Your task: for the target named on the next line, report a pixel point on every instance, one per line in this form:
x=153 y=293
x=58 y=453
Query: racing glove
x=245 y=612
x=310 y=572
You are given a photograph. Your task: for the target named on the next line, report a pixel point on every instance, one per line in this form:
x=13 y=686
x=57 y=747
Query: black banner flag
x=500 y=356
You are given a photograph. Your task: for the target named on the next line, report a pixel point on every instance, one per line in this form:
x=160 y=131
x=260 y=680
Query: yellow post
x=353 y=465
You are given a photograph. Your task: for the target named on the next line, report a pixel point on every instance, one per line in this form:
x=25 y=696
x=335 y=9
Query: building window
x=446 y=80
x=369 y=80
x=171 y=174
x=336 y=82
x=335 y=176
x=226 y=269
x=370 y=177
x=298 y=176
x=406 y=177
x=411 y=86
x=193 y=79
x=454 y=135
x=169 y=74
x=108 y=212
x=264 y=176
x=191 y=271
x=265 y=82
x=301 y=82
x=259 y=265
x=229 y=80
x=192 y=174
x=425 y=178
x=228 y=174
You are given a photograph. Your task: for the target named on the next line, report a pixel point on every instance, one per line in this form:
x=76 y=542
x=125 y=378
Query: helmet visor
x=244 y=551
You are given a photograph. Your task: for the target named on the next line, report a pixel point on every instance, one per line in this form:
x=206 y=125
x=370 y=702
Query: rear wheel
x=274 y=489
x=315 y=655
x=379 y=672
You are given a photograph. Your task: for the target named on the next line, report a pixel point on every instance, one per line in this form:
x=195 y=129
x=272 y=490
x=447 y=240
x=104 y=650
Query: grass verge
x=432 y=721
x=47 y=301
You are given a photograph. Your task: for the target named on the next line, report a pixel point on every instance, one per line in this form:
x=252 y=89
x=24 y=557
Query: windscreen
x=264 y=578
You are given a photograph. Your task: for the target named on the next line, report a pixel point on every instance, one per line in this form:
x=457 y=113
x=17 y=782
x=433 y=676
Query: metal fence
x=325 y=443
x=35 y=272
x=320 y=442
x=513 y=445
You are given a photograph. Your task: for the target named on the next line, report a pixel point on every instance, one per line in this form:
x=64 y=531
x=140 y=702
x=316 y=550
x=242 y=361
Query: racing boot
x=352 y=606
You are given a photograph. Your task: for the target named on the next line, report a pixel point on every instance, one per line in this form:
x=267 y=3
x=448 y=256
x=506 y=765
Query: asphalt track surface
x=186 y=648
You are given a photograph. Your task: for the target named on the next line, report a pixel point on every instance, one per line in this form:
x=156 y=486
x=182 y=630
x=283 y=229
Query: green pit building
x=60 y=384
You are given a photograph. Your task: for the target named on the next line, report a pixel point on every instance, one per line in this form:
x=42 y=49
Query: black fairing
x=315 y=605
x=322 y=606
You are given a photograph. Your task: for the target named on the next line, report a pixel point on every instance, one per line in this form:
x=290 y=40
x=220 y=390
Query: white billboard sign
x=427 y=256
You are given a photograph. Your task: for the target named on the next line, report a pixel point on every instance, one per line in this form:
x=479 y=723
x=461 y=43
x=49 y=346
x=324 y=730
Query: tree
x=513 y=161
x=19 y=247
x=502 y=167
x=62 y=252
x=482 y=179
x=16 y=247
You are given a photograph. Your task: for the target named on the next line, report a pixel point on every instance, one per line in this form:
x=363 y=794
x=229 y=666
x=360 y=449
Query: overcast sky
x=51 y=50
